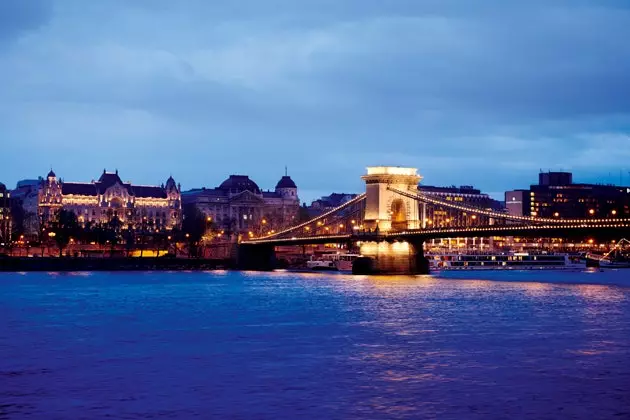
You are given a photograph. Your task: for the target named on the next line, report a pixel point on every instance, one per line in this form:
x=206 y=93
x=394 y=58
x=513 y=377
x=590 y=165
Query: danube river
x=316 y=346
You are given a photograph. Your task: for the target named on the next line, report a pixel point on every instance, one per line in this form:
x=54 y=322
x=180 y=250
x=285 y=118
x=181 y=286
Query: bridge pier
x=392 y=258
x=255 y=257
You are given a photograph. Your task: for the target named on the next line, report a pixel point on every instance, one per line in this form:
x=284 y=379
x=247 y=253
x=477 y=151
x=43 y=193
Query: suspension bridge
x=388 y=223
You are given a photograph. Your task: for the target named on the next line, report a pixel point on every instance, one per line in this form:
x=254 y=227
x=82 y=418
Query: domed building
x=5 y=214
x=158 y=207
x=238 y=204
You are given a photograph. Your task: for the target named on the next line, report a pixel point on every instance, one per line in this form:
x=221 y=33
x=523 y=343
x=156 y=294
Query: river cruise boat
x=333 y=261
x=617 y=257
x=511 y=260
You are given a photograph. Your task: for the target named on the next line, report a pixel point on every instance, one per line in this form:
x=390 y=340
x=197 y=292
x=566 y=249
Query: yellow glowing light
x=264 y=222
x=391 y=170
x=613 y=212
x=209 y=219
x=590 y=241
x=474 y=216
x=556 y=214
x=591 y=211
x=353 y=222
x=341 y=226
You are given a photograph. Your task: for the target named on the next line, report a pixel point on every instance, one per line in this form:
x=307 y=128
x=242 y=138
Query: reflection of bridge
x=389 y=222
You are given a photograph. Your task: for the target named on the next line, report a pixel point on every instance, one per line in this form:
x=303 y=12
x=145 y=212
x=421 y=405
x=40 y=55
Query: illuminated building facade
x=5 y=214
x=556 y=195
x=157 y=207
x=239 y=205
x=437 y=216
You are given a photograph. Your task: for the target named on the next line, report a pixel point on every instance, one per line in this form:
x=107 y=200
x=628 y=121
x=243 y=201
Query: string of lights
x=497 y=215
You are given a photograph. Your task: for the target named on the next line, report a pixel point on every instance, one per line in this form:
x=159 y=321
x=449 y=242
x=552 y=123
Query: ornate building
x=101 y=201
x=5 y=215
x=239 y=205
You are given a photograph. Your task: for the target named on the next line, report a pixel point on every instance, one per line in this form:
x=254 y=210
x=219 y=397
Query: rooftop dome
x=286 y=182
x=239 y=183
x=51 y=174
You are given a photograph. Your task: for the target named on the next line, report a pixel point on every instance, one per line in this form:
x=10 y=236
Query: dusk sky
x=482 y=93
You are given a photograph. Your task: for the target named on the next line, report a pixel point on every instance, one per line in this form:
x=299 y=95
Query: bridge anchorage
x=388 y=224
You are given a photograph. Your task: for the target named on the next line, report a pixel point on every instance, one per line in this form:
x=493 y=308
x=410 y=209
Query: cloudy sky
x=483 y=92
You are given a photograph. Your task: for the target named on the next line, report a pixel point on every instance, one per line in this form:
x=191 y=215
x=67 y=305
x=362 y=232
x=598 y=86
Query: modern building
x=26 y=197
x=157 y=207
x=239 y=205
x=5 y=215
x=556 y=195
x=466 y=195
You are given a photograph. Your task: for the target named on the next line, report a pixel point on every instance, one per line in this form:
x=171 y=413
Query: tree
x=193 y=227
x=64 y=227
x=303 y=215
x=113 y=233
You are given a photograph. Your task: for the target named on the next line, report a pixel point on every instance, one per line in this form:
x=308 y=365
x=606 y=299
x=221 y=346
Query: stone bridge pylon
x=384 y=208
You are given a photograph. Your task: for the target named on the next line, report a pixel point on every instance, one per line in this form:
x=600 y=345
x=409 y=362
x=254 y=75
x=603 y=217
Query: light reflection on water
x=287 y=345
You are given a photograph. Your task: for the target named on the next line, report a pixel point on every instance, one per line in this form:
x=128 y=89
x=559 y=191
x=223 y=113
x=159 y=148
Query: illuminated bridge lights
x=424 y=198
x=318 y=219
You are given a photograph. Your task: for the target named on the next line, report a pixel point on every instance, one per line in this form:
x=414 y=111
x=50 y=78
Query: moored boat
x=510 y=260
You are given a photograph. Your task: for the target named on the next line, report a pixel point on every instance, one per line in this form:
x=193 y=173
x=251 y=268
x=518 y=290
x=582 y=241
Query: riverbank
x=8 y=264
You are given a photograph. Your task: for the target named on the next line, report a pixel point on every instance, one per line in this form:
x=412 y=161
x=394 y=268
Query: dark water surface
x=286 y=345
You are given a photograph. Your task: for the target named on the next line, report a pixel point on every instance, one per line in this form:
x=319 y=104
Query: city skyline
x=326 y=88
x=308 y=196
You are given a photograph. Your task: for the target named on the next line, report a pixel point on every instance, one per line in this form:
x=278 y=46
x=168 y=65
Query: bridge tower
x=386 y=209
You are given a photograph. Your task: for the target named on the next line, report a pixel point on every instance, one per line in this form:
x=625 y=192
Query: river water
x=317 y=346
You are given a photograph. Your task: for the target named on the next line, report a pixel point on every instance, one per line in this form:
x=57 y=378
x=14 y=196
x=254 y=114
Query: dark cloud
x=463 y=90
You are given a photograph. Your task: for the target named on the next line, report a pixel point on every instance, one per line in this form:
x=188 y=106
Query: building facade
x=5 y=215
x=437 y=216
x=556 y=195
x=329 y=202
x=26 y=197
x=136 y=206
x=239 y=205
